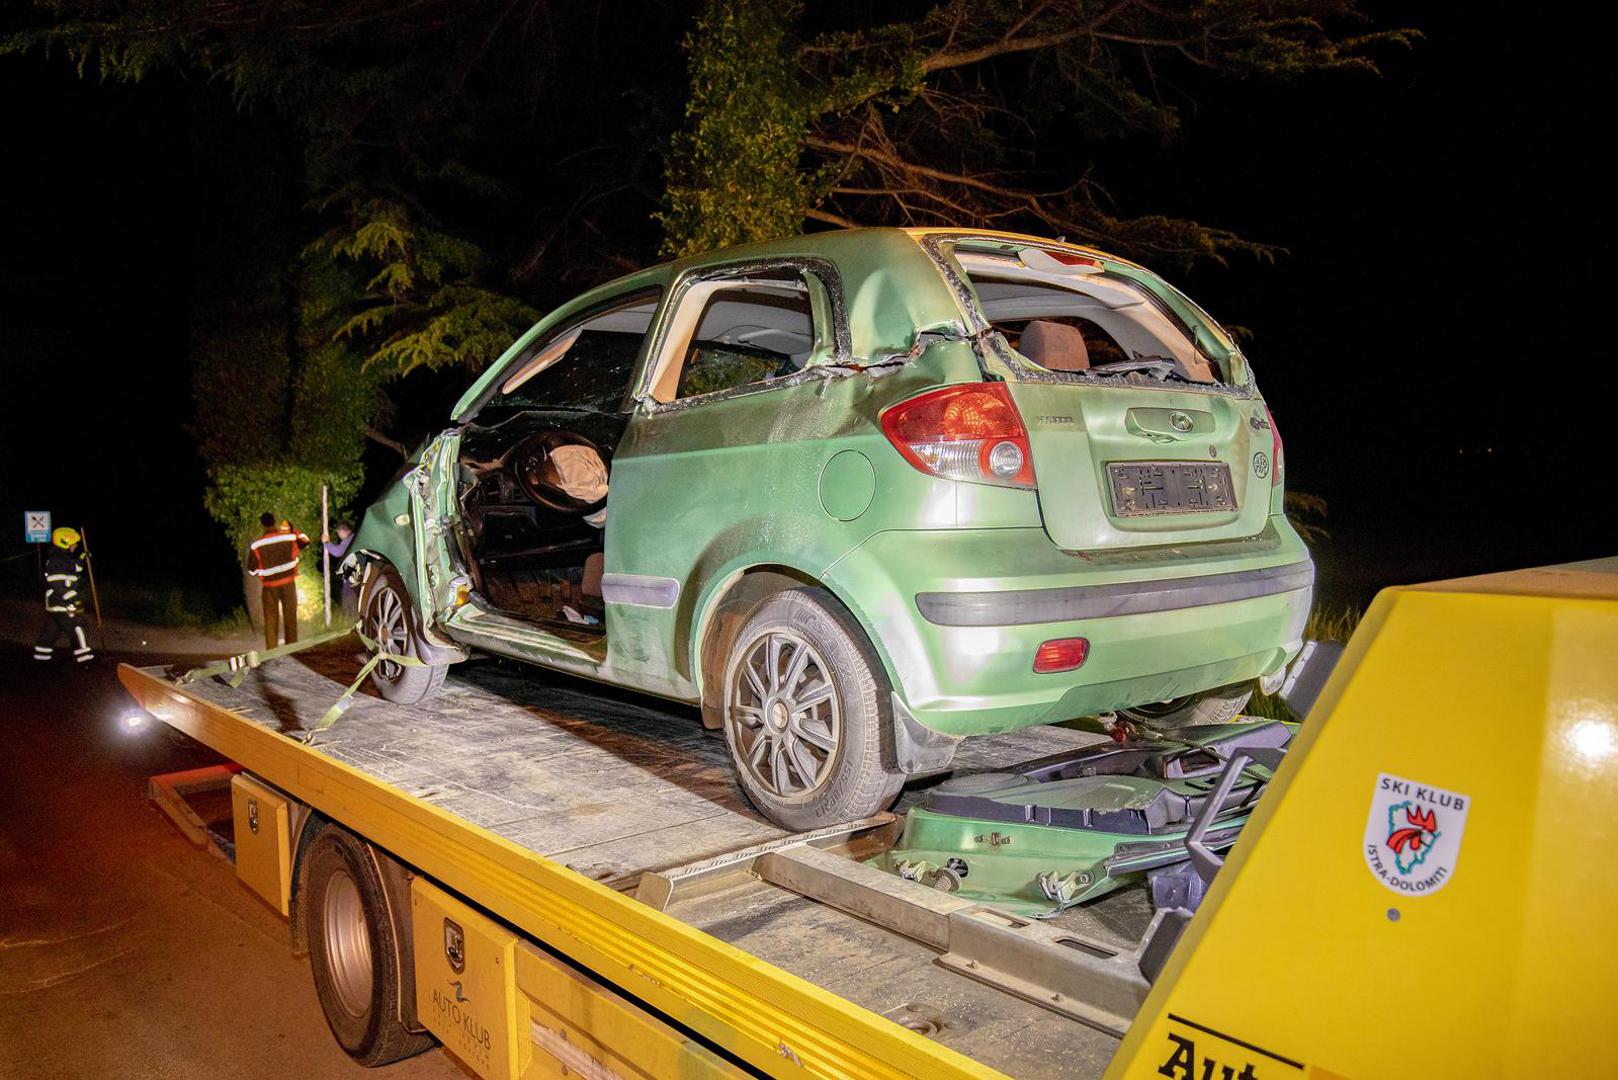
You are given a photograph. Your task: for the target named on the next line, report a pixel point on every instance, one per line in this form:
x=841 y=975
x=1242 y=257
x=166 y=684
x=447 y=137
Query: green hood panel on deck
x=1093 y=821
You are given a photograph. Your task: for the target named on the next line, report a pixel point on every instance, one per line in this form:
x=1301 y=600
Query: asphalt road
x=124 y=950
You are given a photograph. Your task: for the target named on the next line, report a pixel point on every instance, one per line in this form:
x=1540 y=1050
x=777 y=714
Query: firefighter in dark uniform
x=273 y=559
x=65 y=591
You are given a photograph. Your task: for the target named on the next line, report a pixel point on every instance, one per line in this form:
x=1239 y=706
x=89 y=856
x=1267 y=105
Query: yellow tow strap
x=233 y=670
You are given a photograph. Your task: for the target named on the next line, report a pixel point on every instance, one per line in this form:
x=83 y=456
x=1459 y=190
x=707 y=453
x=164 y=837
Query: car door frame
x=663 y=663
x=828 y=305
x=427 y=486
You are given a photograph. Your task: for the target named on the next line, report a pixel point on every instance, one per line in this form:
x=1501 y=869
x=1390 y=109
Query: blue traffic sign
x=36 y=526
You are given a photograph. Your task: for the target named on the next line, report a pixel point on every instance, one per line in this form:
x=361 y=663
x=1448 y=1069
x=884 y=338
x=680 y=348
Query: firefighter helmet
x=65 y=538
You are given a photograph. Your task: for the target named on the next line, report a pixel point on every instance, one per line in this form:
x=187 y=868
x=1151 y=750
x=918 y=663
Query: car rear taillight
x=1276 y=460
x=968 y=432
x=1061 y=654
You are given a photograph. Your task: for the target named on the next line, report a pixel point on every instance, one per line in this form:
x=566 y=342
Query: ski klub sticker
x=1413 y=835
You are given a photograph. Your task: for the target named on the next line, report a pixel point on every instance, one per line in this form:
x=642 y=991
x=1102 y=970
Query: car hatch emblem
x=1179 y=421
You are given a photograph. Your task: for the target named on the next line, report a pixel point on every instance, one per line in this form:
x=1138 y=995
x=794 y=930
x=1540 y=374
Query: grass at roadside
x=177 y=608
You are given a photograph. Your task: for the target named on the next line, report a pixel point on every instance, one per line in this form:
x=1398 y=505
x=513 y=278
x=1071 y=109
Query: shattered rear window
x=1068 y=315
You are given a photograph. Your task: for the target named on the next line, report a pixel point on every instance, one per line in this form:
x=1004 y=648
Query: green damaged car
x=858 y=495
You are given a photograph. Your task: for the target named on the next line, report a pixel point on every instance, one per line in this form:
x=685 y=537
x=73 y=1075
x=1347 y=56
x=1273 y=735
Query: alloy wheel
x=785 y=719
x=391 y=630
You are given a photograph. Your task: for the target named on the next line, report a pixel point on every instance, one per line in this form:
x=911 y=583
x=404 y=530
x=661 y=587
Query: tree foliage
x=422 y=306
x=321 y=272
x=736 y=171
x=395 y=186
x=394 y=106
x=936 y=116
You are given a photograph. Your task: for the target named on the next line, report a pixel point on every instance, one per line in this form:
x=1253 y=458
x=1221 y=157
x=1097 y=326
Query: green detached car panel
x=858 y=494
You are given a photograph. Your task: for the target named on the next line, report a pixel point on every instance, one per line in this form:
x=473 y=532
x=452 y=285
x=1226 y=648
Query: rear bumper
x=1071 y=602
x=958 y=615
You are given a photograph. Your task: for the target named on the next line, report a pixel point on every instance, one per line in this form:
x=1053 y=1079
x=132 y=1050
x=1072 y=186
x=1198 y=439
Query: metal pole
x=325 y=554
x=90 y=566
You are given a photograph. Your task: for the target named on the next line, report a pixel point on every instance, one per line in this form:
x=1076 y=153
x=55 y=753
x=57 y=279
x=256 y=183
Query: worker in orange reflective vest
x=273 y=559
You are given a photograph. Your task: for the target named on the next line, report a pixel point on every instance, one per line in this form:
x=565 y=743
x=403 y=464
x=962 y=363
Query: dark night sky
x=1426 y=343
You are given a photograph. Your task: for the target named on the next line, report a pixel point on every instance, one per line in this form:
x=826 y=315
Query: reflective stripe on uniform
x=278 y=538
x=61 y=577
x=46 y=649
x=84 y=646
x=86 y=656
x=42 y=656
x=268 y=570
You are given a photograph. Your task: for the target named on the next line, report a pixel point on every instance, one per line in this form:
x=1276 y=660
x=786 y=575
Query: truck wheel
x=1218 y=706
x=353 y=951
x=804 y=714
x=390 y=621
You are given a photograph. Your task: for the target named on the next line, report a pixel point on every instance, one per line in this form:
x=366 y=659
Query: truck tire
x=390 y=620
x=354 y=951
x=805 y=714
x=1217 y=706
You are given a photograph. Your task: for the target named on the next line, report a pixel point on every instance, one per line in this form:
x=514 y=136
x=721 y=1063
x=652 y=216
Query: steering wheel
x=531 y=467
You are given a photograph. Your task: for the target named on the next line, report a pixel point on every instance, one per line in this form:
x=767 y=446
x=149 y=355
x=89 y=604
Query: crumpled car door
x=435 y=519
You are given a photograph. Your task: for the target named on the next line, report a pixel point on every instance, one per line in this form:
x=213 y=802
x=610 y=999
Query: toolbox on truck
x=263 y=840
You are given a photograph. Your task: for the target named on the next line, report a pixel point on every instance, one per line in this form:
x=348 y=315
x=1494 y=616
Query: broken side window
x=741 y=331
x=585 y=365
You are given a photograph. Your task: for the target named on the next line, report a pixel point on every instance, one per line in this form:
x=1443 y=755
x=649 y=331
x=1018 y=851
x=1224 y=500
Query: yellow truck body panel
x=1426 y=888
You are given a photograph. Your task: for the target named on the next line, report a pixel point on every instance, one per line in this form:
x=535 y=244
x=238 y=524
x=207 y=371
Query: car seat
x=1054 y=346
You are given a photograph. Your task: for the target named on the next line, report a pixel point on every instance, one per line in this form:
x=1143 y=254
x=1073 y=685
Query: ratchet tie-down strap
x=235 y=669
x=347 y=697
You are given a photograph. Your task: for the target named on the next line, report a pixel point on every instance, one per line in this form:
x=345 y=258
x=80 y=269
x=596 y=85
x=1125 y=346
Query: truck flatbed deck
x=675 y=953
x=619 y=789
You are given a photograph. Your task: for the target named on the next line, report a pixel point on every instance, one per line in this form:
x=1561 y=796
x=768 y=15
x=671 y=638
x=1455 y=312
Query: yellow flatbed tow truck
x=555 y=883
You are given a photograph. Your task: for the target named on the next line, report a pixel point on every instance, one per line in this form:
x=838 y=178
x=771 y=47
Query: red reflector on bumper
x=1062 y=654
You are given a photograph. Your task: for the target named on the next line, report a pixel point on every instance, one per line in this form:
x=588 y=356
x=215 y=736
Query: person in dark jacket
x=65 y=591
x=273 y=559
x=336 y=548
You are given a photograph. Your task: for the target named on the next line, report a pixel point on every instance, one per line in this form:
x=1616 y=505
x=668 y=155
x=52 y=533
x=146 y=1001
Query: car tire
x=808 y=740
x=354 y=951
x=390 y=620
x=1218 y=706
